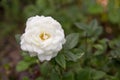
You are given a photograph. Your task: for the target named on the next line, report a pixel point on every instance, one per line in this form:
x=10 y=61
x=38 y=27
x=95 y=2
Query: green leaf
x=101 y=47
x=94 y=29
x=97 y=75
x=114 y=16
x=30 y=10
x=40 y=78
x=44 y=68
x=41 y=4
x=54 y=75
x=81 y=26
x=25 y=78
x=91 y=30
x=98 y=46
x=84 y=74
x=93 y=24
x=78 y=52
x=68 y=76
x=115 y=43
x=73 y=57
x=22 y=65
x=71 y=40
x=115 y=53
x=70 y=56
x=95 y=9
x=17 y=37
x=60 y=59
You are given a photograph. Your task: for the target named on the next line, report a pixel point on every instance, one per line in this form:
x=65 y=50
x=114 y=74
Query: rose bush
x=43 y=37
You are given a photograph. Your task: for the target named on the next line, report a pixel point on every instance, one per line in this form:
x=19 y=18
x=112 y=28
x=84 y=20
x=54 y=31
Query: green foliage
x=54 y=75
x=17 y=37
x=84 y=74
x=91 y=30
x=25 y=78
x=97 y=75
x=30 y=10
x=68 y=76
x=114 y=16
x=22 y=65
x=91 y=51
x=93 y=7
x=44 y=68
x=115 y=45
x=39 y=78
x=60 y=59
x=113 y=12
x=73 y=55
x=26 y=62
x=71 y=40
x=70 y=56
x=101 y=46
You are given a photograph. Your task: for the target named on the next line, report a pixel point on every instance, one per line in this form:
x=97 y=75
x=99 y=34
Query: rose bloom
x=104 y=3
x=43 y=37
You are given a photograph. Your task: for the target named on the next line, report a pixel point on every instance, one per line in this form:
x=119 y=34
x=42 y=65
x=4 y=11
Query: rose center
x=44 y=36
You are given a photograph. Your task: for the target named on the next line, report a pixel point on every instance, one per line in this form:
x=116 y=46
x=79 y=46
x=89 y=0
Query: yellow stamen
x=44 y=36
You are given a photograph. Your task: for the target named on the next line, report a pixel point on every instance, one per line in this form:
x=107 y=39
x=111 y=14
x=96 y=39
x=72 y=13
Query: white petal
x=44 y=57
x=44 y=49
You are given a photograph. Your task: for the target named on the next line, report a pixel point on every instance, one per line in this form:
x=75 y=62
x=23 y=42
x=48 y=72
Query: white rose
x=43 y=37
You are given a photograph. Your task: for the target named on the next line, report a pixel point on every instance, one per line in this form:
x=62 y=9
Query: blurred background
x=14 y=13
